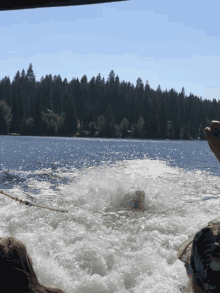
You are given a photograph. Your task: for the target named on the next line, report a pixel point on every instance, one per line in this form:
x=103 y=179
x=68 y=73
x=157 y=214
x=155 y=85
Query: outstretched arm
x=213 y=137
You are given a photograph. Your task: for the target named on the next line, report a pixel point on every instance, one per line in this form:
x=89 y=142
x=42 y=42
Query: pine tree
x=140 y=127
x=30 y=89
x=3 y=125
x=5 y=117
x=139 y=99
x=16 y=104
x=92 y=128
x=151 y=128
x=71 y=117
x=57 y=94
x=124 y=125
x=134 y=131
x=37 y=113
x=101 y=126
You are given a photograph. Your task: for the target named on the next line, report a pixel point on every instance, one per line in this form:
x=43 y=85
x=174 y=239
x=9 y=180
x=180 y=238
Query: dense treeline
x=98 y=108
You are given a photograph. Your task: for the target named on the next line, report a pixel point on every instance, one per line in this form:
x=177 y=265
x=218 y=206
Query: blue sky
x=171 y=43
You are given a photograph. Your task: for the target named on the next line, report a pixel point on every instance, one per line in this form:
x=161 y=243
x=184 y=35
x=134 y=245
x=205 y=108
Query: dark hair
x=16 y=270
x=203 y=250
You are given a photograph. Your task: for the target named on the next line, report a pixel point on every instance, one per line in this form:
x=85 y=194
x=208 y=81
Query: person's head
x=202 y=254
x=16 y=270
x=139 y=201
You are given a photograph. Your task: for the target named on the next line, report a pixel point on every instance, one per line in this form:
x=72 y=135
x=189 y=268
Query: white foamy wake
x=95 y=248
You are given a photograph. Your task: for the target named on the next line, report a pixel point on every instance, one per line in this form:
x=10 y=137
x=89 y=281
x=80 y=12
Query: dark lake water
x=37 y=153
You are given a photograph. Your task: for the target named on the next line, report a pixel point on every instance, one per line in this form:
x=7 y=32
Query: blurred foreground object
x=201 y=257
x=213 y=137
x=17 y=273
x=24 y=4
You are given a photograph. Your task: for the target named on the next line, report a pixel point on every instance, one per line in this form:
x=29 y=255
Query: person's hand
x=213 y=137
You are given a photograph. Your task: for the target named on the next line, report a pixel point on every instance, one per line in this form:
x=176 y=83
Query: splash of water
x=96 y=248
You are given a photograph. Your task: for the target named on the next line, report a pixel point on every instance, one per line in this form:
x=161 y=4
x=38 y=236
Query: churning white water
x=95 y=248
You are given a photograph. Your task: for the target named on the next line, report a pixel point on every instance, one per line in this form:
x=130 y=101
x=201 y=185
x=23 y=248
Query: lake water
x=96 y=248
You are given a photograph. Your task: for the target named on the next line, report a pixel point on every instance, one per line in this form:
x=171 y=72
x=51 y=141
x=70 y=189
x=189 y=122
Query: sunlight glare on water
x=98 y=248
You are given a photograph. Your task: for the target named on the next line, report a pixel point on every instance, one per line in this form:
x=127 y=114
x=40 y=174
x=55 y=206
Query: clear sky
x=171 y=43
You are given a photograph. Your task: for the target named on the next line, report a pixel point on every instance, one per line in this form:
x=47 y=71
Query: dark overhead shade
x=25 y=4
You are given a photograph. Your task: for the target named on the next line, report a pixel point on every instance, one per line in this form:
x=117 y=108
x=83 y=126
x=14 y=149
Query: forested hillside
x=111 y=108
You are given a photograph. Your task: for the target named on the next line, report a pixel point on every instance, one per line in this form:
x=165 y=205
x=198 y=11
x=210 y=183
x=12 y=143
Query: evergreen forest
x=99 y=108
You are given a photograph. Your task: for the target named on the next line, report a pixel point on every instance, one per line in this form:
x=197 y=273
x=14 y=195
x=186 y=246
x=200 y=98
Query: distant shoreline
x=97 y=137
